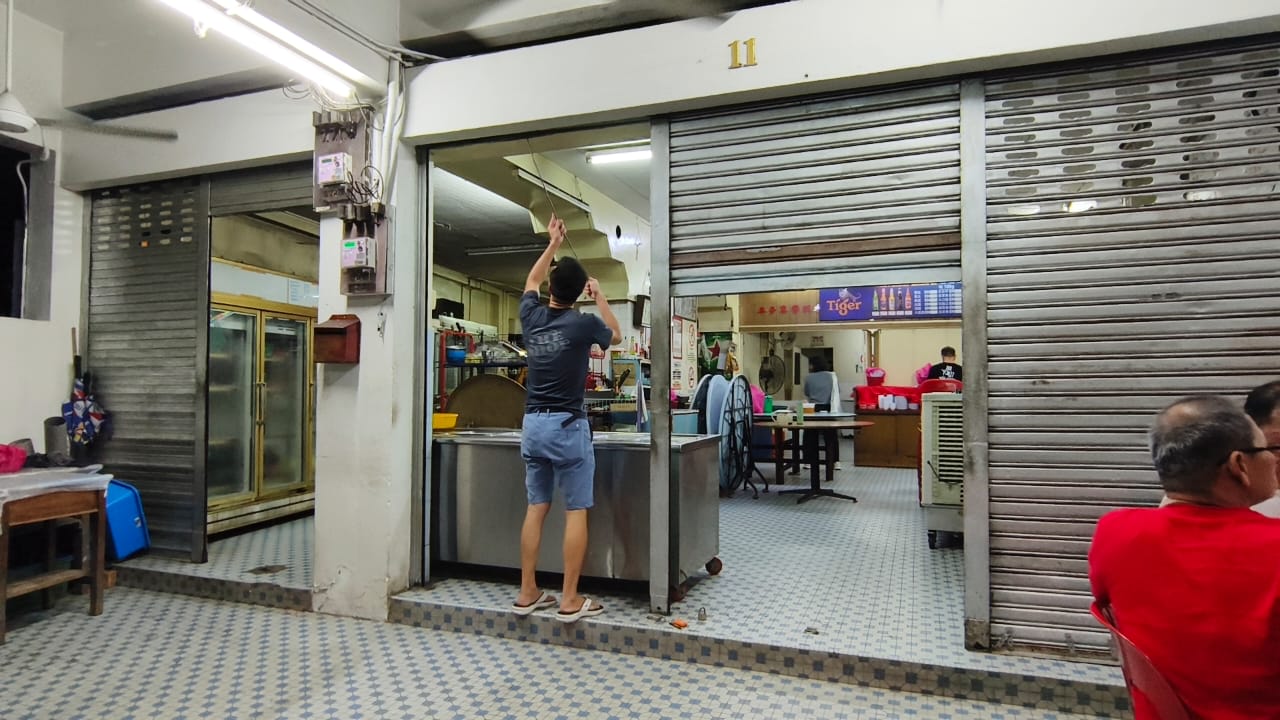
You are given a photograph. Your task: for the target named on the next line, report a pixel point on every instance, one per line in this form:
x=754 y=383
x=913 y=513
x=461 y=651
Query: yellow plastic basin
x=444 y=421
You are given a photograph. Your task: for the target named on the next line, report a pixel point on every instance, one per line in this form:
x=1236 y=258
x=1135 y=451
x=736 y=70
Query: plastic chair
x=941 y=385
x=1141 y=675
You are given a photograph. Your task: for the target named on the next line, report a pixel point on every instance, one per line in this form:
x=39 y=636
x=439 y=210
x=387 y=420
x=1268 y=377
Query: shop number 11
x=735 y=50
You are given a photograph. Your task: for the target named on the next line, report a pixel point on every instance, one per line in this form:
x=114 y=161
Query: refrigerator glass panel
x=285 y=403
x=232 y=356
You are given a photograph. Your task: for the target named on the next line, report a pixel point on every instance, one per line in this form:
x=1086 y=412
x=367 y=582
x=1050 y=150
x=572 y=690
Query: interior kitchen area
x=862 y=522
x=491 y=204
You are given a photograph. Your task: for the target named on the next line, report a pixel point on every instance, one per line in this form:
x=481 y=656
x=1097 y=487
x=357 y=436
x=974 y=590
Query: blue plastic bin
x=126 y=525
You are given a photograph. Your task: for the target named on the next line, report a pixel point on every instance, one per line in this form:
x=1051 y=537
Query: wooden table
x=830 y=431
x=48 y=508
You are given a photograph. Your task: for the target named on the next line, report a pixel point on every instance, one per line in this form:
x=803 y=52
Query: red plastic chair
x=1140 y=674
x=940 y=385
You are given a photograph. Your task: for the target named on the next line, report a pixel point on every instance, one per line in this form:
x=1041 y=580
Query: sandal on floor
x=585 y=611
x=543 y=602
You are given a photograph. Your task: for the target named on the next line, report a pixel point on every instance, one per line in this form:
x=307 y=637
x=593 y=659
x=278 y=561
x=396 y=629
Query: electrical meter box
x=359 y=252
x=333 y=169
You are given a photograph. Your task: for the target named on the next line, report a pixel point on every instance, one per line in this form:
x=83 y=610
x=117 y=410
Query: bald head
x=1193 y=437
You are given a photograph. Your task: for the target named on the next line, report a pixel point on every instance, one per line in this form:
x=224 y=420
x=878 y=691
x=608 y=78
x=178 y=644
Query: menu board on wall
x=891 y=302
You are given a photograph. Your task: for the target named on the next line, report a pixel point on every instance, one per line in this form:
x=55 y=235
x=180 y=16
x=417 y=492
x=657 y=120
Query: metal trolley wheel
x=735 y=436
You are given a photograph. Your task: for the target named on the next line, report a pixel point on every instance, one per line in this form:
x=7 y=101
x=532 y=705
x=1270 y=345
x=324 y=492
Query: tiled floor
x=281 y=555
x=828 y=575
x=166 y=656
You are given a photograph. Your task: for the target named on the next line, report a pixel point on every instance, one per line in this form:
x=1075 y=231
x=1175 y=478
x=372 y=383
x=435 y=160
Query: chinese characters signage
x=780 y=308
x=890 y=302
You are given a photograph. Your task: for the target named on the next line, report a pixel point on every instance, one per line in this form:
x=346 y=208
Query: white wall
x=805 y=46
x=365 y=428
x=236 y=132
x=905 y=350
x=849 y=350
x=35 y=354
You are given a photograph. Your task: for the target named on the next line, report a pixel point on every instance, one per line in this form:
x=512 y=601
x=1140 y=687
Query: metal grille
x=148 y=328
x=278 y=187
x=944 y=448
x=865 y=183
x=1133 y=254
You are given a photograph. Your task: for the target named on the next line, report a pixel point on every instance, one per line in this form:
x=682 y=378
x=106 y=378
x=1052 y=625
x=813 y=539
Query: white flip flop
x=544 y=601
x=587 y=610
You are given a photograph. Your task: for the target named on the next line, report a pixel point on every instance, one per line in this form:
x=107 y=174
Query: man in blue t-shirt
x=556 y=439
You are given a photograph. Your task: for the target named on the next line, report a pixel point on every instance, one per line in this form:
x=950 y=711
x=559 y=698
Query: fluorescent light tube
x=506 y=249
x=531 y=178
x=261 y=44
x=238 y=8
x=630 y=154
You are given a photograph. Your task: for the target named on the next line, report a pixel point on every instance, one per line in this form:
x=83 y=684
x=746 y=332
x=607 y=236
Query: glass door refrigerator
x=260 y=414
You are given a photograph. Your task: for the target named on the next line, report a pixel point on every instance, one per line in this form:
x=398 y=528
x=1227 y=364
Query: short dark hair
x=1262 y=402
x=1191 y=438
x=568 y=278
x=817 y=364
x=948 y=351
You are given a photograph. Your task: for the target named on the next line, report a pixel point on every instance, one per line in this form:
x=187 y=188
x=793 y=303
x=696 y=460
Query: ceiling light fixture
x=264 y=45
x=620 y=155
x=534 y=179
x=506 y=249
x=242 y=10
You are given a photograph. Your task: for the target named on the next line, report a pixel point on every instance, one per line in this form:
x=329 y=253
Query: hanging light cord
x=543 y=181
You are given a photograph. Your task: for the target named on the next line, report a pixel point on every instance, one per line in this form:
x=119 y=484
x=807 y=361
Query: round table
x=830 y=430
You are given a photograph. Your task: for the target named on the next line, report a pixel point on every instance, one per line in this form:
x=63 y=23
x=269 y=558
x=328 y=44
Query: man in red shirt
x=1196 y=584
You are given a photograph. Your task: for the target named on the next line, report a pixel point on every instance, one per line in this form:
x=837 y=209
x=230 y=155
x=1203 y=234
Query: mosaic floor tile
x=829 y=575
x=153 y=655
x=867 y=583
x=277 y=555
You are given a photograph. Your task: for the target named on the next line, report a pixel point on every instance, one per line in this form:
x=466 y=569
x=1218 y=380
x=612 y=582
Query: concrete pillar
x=366 y=421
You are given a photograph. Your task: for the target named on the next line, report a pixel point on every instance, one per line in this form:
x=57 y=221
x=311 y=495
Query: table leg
x=779 y=449
x=50 y=559
x=98 y=570
x=831 y=438
x=815 y=488
x=4 y=574
x=795 y=451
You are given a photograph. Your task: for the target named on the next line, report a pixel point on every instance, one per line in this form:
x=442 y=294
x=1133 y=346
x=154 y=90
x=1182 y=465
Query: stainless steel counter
x=479 y=503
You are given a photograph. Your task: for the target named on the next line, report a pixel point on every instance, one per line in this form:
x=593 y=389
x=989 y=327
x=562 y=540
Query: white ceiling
x=625 y=183
x=54 y=13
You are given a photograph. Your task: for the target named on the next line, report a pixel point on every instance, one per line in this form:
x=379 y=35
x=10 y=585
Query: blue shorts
x=556 y=453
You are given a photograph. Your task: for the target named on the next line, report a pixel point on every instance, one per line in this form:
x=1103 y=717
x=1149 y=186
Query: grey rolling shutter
x=829 y=186
x=147 y=337
x=261 y=189
x=1133 y=250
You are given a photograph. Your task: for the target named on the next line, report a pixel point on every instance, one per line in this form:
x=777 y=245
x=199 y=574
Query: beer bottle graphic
x=875 y=303
x=907 y=302
x=892 y=308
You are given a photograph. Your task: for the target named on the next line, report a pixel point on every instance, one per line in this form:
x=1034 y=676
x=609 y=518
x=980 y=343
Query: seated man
x=1195 y=584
